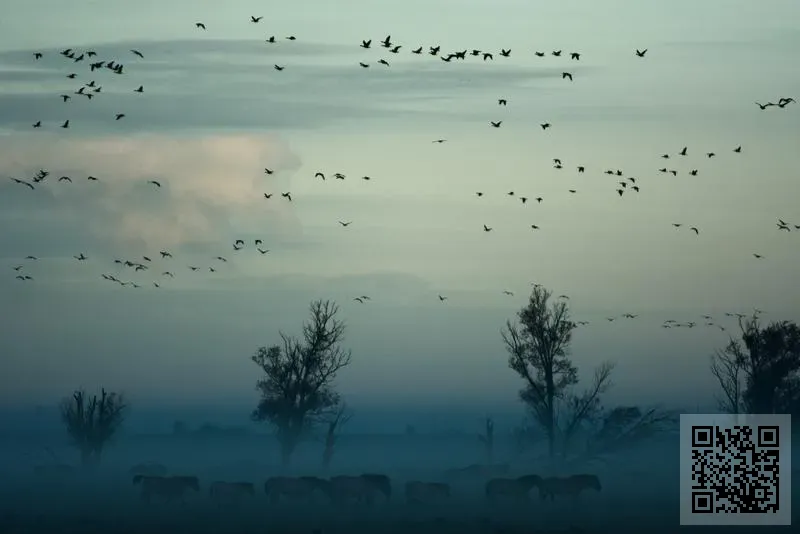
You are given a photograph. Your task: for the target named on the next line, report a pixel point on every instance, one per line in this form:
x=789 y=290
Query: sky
x=214 y=113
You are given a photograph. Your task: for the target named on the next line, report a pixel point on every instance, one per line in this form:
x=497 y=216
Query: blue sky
x=214 y=113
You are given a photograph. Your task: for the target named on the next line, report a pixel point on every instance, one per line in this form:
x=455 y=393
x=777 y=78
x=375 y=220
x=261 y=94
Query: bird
x=139 y=89
x=359 y=300
x=509 y=293
x=566 y=75
x=137 y=53
x=81 y=257
x=758 y=256
x=262 y=251
x=154 y=182
x=641 y=53
x=287 y=196
x=545 y=125
x=348 y=223
x=37 y=124
x=319 y=175
x=439 y=140
x=442 y=298
x=119 y=116
x=502 y=102
x=23 y=182
x=738 y=149
x=575 y=55
x=496 y=124
x=695 y=230
x=200 y=25
x=66 y=124
x=505 y=53
x=366 y=43
x=268 y=171
x=278 y=67
x=37 y=55
x=486 y=228
x=255 y=19
x=683 y=151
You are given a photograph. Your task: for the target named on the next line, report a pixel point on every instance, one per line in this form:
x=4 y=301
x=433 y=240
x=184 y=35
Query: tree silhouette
x=297 y=387
x=760 y=373
x=538 y=347
x=335 y=424
x=91 y=423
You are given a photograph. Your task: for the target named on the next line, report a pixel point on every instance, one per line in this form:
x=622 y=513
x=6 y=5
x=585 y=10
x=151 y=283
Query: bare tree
x=624 y=427
x=538 y=347
x=335 y=424
x=727 y=366
x=92 y=422
x=487 y=439
x=760 y=374
x=584 y=408
x=297 y=387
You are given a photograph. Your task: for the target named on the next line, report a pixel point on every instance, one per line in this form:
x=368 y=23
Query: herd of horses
x=364 y=489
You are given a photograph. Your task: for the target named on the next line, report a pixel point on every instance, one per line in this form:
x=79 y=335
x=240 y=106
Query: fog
x=639 y=487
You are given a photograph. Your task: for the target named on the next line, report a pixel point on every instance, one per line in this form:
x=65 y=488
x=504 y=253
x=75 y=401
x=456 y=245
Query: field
x=639 y=494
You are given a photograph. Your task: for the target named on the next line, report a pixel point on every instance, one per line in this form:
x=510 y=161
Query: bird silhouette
x=287 y=196
x=566 y=75
x=486 y=228
x=496 y=124
x=200 y=25
x=255 y=19
x=641 y=53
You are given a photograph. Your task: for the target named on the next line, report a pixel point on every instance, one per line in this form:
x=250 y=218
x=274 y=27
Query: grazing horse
x=294 y=488
x=426 y=492
x=152 y=469
x=170 y=488
x=571 y=485
x=230 y=492
x=516 y=488
x=360 y=488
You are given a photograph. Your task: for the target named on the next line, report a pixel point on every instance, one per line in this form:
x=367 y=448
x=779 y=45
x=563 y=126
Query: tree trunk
x=288 y=444
x=551 y=416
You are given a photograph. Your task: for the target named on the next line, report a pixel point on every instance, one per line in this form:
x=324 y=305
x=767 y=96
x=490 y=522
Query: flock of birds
x=168 y=267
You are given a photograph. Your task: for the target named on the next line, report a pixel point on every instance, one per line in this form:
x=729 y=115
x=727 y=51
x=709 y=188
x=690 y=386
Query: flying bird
x=641 y=53
x=255 y=19
x=287 y=196
x=137 y=53
x=200 y=25
x=154 y=182
x=566 y=75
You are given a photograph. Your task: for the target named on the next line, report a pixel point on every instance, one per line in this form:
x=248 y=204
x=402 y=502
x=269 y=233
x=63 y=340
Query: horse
x=361 y=488
x=571 y=485
x=294 y=488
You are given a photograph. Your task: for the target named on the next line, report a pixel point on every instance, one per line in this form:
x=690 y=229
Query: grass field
x=640 y=491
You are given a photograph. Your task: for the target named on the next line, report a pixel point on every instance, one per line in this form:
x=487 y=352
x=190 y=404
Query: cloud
x=204 y=181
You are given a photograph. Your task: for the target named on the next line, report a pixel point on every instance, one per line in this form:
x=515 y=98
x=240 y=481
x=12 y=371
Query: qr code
x=736 y=468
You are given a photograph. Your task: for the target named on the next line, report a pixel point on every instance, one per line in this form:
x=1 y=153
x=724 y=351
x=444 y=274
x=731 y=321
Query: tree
x=335 y=424
x=538 y=347
x=91 y=423
x=297 y=387
x=760 y=373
